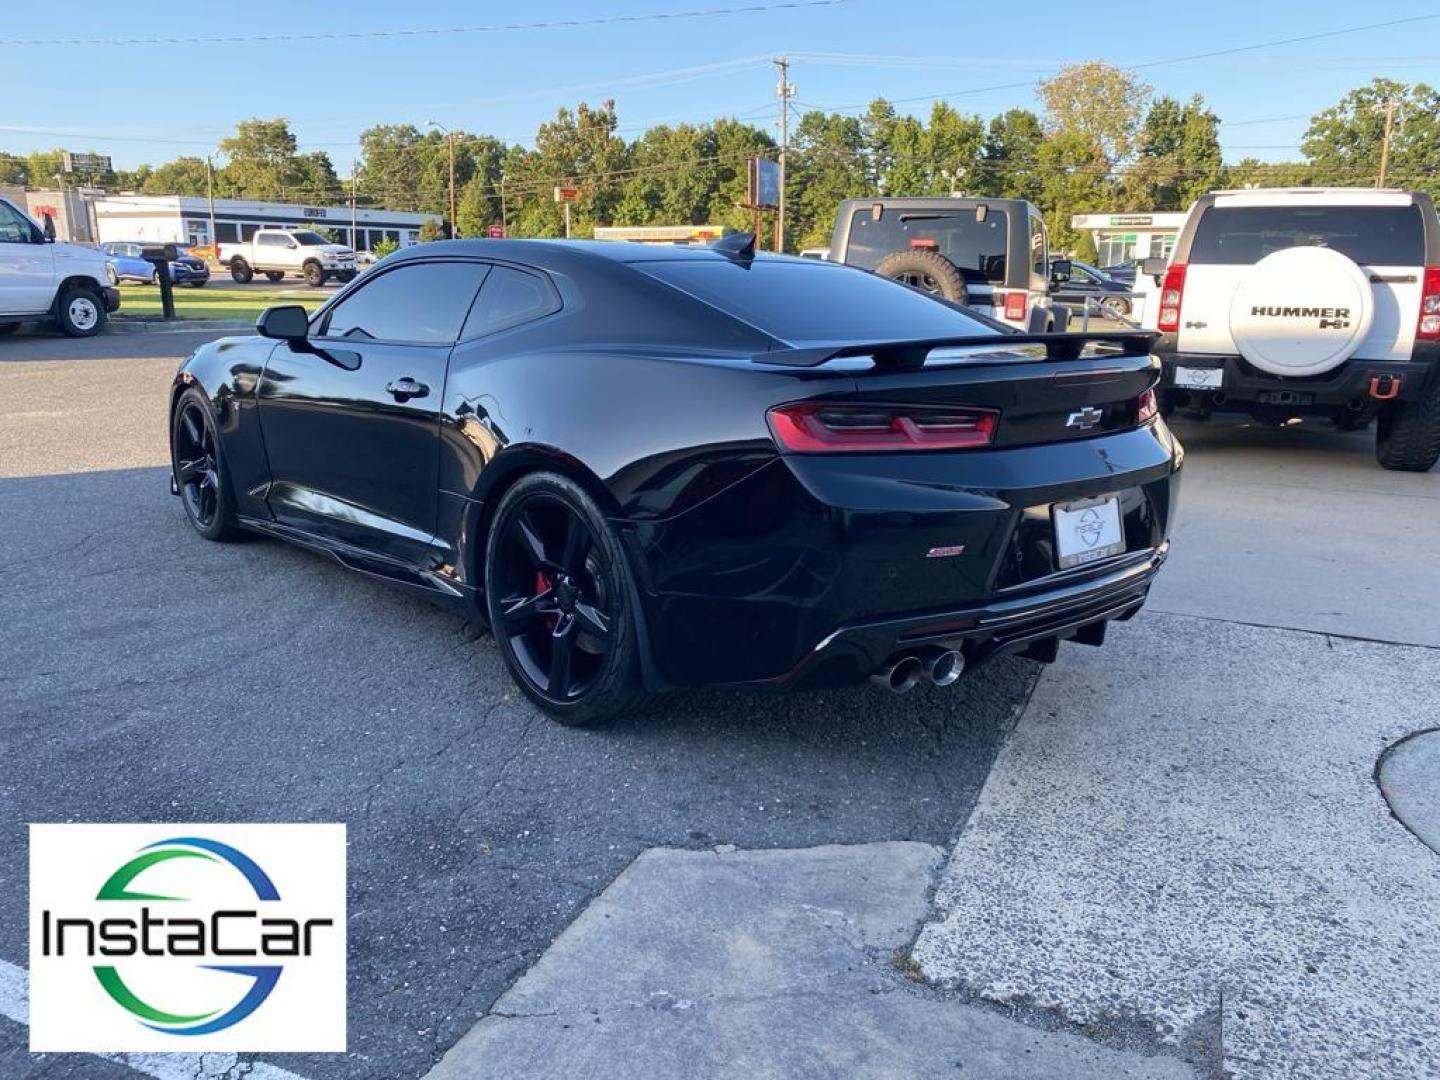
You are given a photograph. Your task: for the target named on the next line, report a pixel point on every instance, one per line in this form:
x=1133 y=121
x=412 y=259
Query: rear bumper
x=983 y=631
x=813 y=567
x=1357 y=381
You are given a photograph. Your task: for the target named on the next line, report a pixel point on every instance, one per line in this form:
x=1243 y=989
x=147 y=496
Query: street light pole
x=450 y=139
x=786 y=91
x=210 y=191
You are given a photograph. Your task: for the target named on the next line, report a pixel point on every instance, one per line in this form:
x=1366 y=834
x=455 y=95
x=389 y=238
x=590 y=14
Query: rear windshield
x=976 y=247
x=1369 y=235
x=815 y=301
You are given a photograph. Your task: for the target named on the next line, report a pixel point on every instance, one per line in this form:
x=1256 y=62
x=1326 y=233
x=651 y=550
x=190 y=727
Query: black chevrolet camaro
x=649 y=467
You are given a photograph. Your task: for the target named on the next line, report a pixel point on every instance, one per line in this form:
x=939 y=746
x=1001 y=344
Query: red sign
x=495 y=232
x=46 y=211
x=567 y=194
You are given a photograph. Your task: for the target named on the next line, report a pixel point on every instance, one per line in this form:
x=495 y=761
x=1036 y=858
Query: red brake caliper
x=542 y=586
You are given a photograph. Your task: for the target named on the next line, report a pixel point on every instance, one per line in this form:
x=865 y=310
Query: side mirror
x=1060 y=270
x=1153 y=267
x=285 y=322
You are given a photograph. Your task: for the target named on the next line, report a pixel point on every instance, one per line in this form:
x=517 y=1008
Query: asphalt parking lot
x=148 y=675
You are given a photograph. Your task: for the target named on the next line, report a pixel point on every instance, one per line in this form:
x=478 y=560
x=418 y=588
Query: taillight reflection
x=811 y=428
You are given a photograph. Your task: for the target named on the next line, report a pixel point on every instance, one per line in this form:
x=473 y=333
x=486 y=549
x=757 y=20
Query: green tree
x=1075 y=179
x=1252 y=172
x=262 y=155
x=430 y=229
x=1344 y=142
x=952 y=144
x=827 y=164
x=672 y=177
x=12 y=169
x=1012 y=147
x=183 y=176
x=1178 y=156
x=1100 y=103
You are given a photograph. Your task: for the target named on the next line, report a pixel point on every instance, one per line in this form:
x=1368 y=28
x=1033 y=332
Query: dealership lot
x=150 y=676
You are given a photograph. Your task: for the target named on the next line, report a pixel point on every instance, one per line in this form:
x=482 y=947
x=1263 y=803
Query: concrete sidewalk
x=761 y=964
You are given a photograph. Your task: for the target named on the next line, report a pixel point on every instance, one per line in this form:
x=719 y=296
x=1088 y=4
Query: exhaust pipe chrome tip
x=900 y=675
x=945 y=667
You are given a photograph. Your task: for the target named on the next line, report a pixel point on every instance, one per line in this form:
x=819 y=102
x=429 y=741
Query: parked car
x=277 y=252
x=650 y=467
x=1090 y=282
x=1123 y=271
x=991 y=255
x=42 y=280
x=1309 y=301
x=125 y=263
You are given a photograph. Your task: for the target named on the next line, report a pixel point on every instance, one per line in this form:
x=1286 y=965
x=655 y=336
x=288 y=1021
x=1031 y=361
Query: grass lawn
x=143 y=301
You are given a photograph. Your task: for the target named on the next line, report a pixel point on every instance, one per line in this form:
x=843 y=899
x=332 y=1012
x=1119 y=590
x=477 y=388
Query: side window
x=1039 y=253
x=418 y=302
x=510 y=297
x=272 y=240
x=14 y=227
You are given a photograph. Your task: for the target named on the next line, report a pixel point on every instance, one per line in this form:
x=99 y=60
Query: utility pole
x=354 y=165
x=450 y=139
x=210 y=191
x=786 y=91
x=1385 y=146
x=504 y=217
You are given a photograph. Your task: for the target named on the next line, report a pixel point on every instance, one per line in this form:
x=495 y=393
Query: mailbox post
x=160 y=256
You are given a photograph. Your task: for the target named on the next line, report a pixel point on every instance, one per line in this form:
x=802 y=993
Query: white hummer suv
x=1308 y=301
x=277 y=252
x=42 y=280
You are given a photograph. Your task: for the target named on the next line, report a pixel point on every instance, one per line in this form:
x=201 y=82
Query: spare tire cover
x=1301 y=311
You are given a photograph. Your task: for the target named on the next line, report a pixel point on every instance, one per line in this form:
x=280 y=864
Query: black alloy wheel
x=557 y=589
x=199 y=473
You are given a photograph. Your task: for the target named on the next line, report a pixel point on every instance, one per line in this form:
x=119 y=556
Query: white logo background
x=70 y=1011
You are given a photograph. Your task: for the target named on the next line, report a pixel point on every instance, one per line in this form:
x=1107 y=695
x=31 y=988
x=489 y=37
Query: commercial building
x=663 y=234
x=68 y=210
x=1126 y=237
x=186 y=219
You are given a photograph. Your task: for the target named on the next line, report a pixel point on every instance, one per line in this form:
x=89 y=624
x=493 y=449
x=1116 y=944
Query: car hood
x=76 y=255
x=334 y=249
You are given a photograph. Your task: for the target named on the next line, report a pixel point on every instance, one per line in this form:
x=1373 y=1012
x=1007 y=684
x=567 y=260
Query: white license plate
x=1190 y=378
x=1087 y=530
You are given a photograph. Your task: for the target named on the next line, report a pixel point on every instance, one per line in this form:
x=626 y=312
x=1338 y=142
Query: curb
x=176 y=326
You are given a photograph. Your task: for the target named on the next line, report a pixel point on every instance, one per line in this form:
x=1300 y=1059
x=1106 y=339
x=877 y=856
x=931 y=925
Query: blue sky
x=98 y=96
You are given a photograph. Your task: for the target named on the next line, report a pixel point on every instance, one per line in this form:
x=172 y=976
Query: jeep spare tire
x=928 y=271
x=1301 y=311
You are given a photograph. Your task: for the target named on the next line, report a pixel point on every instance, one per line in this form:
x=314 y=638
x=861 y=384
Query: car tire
x=80 y=312
x=555 y=575
x=240 y=271
x=197 y=463
x=928 y=271
x=275 y=275
x=1407 y=433
x=315 y=275
x=1117 y=305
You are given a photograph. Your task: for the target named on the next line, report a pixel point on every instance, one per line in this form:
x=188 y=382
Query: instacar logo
x=187 y=942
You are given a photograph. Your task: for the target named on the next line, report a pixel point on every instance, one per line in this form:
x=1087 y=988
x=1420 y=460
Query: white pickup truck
x=277 y=252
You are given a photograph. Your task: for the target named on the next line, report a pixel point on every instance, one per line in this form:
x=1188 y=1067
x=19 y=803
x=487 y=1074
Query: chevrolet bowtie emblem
x=1086 y=418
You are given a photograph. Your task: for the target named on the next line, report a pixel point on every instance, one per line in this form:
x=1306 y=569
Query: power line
x=352 y=35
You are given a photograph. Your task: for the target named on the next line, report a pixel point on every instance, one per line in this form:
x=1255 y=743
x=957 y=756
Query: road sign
x=85 y=163
x=495 y=232
x=565 y=194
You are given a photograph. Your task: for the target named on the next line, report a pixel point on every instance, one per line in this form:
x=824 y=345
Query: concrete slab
x=1409 y=776
x=1185 y=830
x=761 y=964
x=1299 y=527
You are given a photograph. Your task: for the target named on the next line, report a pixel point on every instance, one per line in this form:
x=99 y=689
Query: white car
x=45 y=281
x=277 y=252
x=1308 y=301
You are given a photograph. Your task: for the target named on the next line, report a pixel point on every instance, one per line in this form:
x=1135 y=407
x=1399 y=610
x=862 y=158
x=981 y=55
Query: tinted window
x=976 y=247
x=1370 y=235
x=422 y=302
x=1039 y=249
x=272 y=240
x=14 y=226
x=815 y=301
x=510 y=297
x=308 y=238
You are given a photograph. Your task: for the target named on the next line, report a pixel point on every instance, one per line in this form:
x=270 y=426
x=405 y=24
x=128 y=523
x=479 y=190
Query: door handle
x=406 y=388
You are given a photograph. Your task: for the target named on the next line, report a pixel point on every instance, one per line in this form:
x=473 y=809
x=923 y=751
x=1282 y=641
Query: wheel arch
x=74 y=281
x=516 y=462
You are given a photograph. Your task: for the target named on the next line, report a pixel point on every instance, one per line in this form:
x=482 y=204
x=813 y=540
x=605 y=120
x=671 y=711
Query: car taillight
x=1171 y=293
x=1015 y=306
x=812 y=428
x=1146 y=407
x=1429 y=325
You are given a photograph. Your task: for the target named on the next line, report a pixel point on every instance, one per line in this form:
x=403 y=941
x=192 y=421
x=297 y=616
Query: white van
x=45 y=281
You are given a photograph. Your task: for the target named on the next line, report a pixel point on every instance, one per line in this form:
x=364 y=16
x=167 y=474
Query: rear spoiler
x=907 y=355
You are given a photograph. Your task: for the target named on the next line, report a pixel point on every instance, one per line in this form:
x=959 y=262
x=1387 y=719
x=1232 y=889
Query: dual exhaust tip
x=904 y=672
